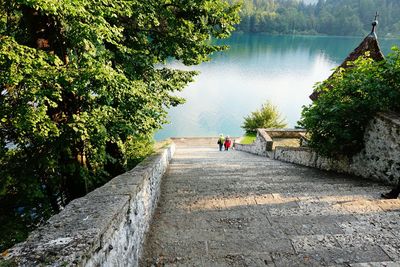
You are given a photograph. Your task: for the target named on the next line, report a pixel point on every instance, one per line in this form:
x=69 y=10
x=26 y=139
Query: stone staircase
x=237 y=209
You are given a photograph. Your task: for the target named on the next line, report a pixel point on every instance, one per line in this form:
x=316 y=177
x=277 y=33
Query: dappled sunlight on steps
x=236 y=209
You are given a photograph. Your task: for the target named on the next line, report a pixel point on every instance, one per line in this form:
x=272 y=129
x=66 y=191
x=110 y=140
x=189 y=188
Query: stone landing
x=237 y=209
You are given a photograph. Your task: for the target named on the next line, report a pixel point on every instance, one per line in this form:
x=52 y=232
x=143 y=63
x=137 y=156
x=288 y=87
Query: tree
x=267 y=116
x=336 y=121
x=82 y=81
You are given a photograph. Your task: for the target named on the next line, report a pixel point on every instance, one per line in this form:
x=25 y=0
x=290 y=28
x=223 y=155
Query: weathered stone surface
x=261 y=146
x=104 y=228
x=381 y=157
x=379 y=160
x=238 y=209
x=265 y=144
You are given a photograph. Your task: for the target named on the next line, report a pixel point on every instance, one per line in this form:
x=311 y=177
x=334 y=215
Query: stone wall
x=379 y=160
x=198 y=141
x=261 y=146
x=104 y=228
x=307 y=157
x=285 y=133
x=381 y=157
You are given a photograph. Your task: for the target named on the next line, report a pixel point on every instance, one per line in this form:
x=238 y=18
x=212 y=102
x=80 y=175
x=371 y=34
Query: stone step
x=237 y=209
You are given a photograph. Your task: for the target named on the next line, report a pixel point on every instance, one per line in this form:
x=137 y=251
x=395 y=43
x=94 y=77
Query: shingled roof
x=369 y=44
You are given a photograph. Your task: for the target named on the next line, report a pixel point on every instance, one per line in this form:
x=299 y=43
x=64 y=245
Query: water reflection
x=257 y=68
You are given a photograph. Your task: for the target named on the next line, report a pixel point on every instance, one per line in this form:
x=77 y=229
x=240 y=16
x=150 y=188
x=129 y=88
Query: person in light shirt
x=220 y=142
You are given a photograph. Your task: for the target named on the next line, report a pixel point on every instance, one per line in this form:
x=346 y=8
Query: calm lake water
x=256 y=68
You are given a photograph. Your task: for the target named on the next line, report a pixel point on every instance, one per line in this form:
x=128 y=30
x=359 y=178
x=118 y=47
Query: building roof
x=369 y=46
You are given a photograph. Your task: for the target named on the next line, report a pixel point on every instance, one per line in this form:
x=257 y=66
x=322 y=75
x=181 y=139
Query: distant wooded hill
x=331 y=17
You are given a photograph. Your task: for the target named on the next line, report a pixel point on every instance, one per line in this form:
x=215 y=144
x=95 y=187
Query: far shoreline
x=298 y=34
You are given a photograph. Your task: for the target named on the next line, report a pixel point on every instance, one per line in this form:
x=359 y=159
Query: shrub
x=267 y=116
x=336 y=121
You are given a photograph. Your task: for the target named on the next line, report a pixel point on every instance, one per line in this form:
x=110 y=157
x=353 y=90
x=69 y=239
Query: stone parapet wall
x=198 y=141
x=307 y=157
x=264 y=143
x=379 y=160
x=381 y=157
x=104 y=228
x=261 y=145
x=285 y=133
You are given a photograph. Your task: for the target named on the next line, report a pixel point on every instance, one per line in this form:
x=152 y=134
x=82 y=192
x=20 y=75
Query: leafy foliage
x=267 y=116
x=83 y=88
x=337 y=120
x=331 y=17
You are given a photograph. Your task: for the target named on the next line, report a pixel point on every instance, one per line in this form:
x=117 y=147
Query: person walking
x=221 y=141
x=227 y=143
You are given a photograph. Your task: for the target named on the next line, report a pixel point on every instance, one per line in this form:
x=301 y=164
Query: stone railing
x=264 y=143
x=261 y=145
x=285 y=133
x=104 y=228
x=307 y=157
x=379 y=160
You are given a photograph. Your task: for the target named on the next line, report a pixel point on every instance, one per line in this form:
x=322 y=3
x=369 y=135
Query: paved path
x=236 y=209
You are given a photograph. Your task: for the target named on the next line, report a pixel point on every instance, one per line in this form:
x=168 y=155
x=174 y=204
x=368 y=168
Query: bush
x=336 y=121
x=267 y=116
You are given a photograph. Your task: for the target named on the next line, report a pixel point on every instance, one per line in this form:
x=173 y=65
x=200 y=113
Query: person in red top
x=227 y=143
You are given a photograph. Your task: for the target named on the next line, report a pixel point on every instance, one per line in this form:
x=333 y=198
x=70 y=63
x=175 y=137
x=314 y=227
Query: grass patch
x=248 y=138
